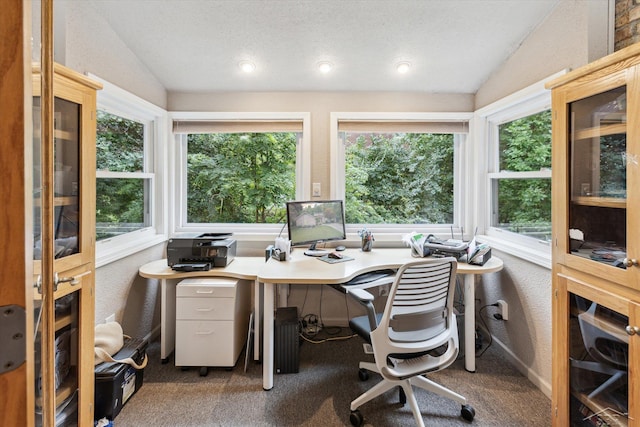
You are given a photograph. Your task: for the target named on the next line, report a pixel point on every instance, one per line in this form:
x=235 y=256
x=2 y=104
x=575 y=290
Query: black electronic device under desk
x=287 y=341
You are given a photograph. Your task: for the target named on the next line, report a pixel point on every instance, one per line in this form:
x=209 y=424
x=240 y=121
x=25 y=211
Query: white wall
x=86 y=43
x=576 y=33
x=561 y=41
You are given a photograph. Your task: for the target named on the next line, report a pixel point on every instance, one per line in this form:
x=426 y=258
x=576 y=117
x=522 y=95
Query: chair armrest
x=365 y=298
x=361 y=295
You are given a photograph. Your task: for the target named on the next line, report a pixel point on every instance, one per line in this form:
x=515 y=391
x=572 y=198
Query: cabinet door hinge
x=13 y=327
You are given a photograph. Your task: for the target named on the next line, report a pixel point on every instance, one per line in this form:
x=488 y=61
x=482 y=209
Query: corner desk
x=302 y=269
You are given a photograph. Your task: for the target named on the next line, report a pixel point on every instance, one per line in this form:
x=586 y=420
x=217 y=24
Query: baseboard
x=153 y=334
x=531 y=375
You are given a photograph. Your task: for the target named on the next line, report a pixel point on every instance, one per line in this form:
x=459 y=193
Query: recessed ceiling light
x=325 y=66
x=403 y=67
x=247 y=66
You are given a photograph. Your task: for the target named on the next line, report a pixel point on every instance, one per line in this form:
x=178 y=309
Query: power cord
x=485 y=327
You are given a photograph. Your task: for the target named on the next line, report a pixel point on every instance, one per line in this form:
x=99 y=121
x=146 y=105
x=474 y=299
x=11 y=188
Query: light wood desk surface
x=240 y=268
x=302 y=269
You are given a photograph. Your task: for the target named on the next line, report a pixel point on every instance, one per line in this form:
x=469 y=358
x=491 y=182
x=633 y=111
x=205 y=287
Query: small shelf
x=594 y=413
x=65 y=390
x=62 y=321
x=604 y=202
x=598 y=131
x=65 y=135
x=58 y=201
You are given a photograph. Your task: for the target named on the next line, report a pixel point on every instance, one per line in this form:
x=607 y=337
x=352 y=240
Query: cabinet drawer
x=205 y=343
x=205 y=308
x=211 y=287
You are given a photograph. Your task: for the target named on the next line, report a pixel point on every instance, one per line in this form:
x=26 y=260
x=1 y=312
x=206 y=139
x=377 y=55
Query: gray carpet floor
x=320 y=394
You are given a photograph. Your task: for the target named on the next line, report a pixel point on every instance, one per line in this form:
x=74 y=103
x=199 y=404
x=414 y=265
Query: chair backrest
x=418 y=315
x=604 y=337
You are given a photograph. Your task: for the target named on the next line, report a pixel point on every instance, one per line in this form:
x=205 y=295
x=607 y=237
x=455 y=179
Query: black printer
x=200 y=252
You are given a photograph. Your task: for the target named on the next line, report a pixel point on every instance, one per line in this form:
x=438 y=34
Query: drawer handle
x=204 y=309
x=204 y=292
x=204 y=333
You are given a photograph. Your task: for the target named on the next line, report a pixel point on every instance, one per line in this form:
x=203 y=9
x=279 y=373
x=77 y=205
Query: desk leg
x=469 y=323
x=257 y=315
x=267 y=351
x=167 y=319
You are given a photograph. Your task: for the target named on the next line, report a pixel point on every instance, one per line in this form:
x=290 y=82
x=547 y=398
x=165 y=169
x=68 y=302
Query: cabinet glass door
x=598 y=176
x=599 y=364
x=66 y=234
x=66 y=179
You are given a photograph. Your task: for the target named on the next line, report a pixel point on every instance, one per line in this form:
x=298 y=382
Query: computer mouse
x=335 y=255
x=340 y=248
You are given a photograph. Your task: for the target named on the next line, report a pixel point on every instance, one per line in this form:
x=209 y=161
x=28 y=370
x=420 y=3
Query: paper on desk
x=416 y=242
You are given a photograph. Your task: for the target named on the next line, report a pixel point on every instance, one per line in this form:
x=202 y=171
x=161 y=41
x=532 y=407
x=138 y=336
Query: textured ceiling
x=195 y=45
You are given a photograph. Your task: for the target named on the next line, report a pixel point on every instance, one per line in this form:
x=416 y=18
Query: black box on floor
x=286 y=341
x=117 y=382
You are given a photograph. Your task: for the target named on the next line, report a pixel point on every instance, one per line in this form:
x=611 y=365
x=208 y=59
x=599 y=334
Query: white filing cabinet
x=212 y=320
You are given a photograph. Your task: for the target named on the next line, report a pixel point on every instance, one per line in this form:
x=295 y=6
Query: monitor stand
x=312 y=251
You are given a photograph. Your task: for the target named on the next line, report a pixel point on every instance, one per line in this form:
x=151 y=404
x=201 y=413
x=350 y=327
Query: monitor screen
x=312 y=222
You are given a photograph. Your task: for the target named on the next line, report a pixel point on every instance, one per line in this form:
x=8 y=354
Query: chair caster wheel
x=356 y=418
x=467 y=412
x=204 y=371
x=363 y=374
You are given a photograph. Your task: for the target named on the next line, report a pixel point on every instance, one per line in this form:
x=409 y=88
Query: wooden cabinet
x=596 y=242
x=73 y=208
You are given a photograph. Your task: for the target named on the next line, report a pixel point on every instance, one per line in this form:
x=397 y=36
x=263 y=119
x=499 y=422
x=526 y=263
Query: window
x=122 y=186
x=521 y=185
x=395 y=171
x=129 y=210
x=517 y=205
x=239 y=169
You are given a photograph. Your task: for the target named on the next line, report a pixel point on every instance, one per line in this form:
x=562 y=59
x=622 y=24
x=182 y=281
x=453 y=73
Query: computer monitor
x=312 y=222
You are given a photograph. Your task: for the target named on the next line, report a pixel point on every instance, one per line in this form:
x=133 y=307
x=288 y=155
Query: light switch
x=316 y=189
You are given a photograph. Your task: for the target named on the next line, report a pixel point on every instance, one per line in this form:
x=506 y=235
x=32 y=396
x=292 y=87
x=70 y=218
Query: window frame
x=528 y=101
x=120 y=102
x=394 y=232
x=178 y=170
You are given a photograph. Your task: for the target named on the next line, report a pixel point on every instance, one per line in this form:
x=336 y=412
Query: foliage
x=240 y=178
x=399 y=178
x=120 y=145
x=525 y=145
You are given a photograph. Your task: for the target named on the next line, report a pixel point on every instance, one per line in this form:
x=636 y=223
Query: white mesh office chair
x=409 y=338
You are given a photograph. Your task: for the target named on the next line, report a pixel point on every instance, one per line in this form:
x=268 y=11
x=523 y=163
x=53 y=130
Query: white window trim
x=530 y=100
x=393 y=233
x=120 y=102
x=178 y=191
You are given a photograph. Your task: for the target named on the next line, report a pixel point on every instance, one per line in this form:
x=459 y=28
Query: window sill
x=540 y=256
x=108 y=253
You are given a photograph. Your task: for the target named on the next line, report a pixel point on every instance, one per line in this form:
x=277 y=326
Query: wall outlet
x=504 y=309
x=317 y=189
x=110 y=318
x=383 y=291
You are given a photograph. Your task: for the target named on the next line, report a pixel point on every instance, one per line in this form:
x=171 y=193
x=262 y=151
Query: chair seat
x=360 y=325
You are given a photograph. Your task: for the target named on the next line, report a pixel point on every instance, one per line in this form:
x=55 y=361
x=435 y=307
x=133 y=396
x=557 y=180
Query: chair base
x=467 y=412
